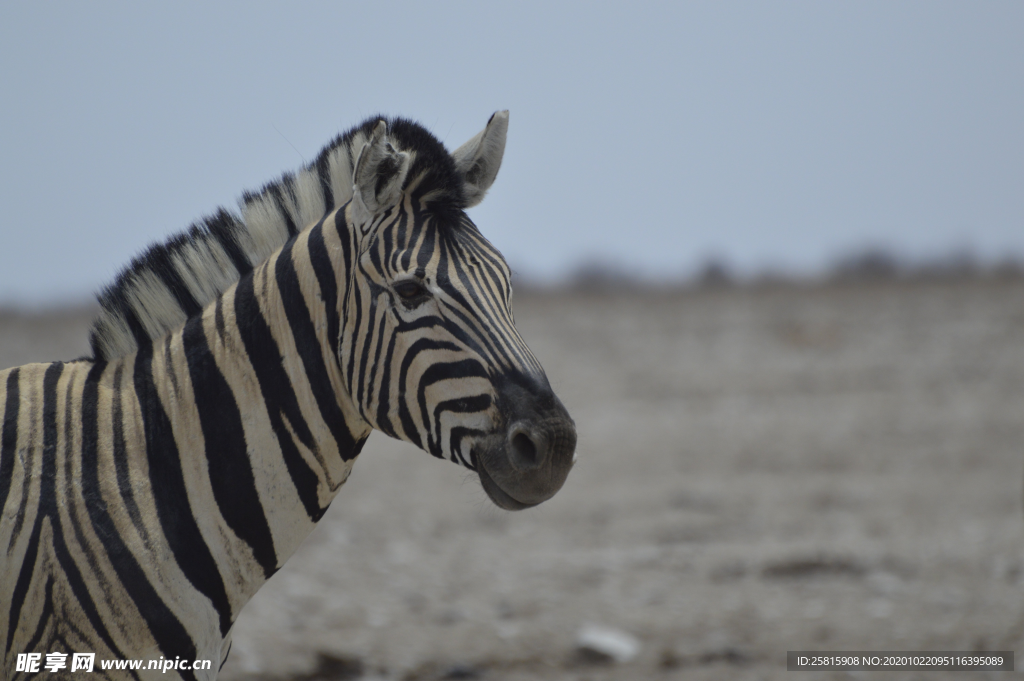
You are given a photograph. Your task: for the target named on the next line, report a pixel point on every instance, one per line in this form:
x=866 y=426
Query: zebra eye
x=410 y=290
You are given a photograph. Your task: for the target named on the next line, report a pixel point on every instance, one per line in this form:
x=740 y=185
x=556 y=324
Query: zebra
x=148 y=491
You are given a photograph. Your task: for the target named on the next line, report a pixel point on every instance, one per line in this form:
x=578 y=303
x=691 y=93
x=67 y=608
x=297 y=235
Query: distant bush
x=714 y=273
x=869 y=265
x=876 y=264
x=602 y=277
x=865 y=266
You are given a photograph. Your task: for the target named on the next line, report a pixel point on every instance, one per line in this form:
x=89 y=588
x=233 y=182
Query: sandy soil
x=761 y=470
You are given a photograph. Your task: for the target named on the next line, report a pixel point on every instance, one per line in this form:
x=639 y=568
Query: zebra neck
x=257 y=409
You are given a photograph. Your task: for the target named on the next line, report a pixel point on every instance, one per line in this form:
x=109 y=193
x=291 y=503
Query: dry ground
x=761 y=470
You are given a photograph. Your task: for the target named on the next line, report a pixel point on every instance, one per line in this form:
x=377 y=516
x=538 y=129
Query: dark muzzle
x=529 y=461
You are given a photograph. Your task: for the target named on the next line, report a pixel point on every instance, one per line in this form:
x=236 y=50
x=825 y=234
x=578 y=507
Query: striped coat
x=149 y=491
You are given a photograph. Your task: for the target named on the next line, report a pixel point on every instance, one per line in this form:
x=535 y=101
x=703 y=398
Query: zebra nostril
x=525 y=451
x=524 y=448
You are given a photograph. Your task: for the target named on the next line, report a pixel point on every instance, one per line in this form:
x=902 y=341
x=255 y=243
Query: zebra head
x=429 y=350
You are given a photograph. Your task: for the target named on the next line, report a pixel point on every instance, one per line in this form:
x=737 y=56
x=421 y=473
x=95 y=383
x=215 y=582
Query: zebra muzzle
x=529 y=464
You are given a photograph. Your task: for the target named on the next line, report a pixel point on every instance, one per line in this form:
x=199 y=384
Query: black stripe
x=118 y=305
x=45 y=616
x=440 y=371
x=170 y=635
x=325 y=277
x=495 y=350
x=346 y=235
x=28 y=449
x=70 y=568
x=323 y=172
x=402 y=239
x=424 y=221
x=171 y=375
x=275 y=193
x=159 y=261
x=499 y=299
x=77 y=583
x=24 y=579
x=404 y=415
x=464 y=405
x=225 y=228
x=227 y=459
x=458 y=434
x=356 y=321
x=170 y=495
x=487 y=277
x=376 y=362
x=288 y=184
x=120 y=453
x=48 y=475
x=426 y=249
x=47 y=499
x=278 y=394
x=481 y=344
x=374 y=253
x=9 y=437
x=372 y=319
x=383 y=418
x=307 y=344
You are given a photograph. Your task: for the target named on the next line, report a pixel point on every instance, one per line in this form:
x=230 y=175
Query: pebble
x=613 y=644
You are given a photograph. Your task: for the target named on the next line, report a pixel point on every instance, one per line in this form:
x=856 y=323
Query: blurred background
x=645 y=138
x=769 y=253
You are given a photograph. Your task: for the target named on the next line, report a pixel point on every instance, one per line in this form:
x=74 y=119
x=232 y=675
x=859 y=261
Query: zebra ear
x=479 y=159
x=379 y=172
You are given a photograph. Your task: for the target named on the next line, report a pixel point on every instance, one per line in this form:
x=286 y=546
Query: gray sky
x=646 y=135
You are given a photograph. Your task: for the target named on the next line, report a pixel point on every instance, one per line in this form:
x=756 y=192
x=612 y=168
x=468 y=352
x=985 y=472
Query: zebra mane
x=172 y=281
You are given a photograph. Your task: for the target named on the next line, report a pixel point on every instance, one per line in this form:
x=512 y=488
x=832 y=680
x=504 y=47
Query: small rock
x=605 y=642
